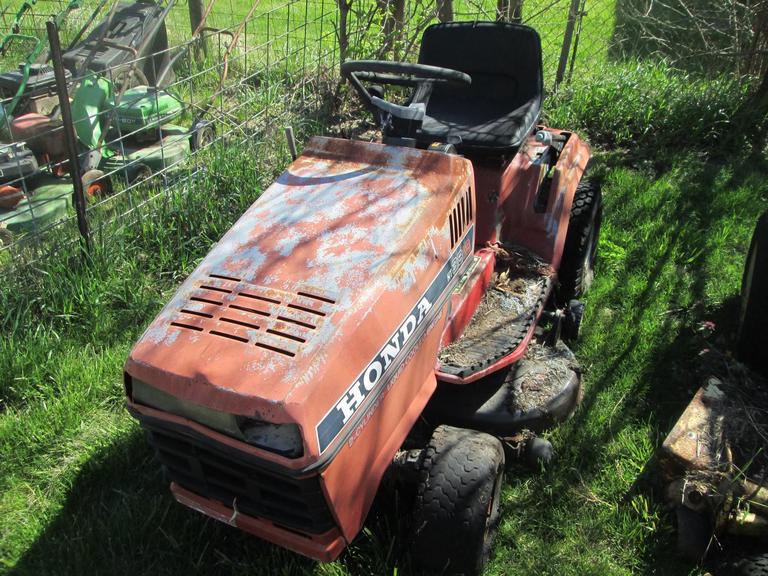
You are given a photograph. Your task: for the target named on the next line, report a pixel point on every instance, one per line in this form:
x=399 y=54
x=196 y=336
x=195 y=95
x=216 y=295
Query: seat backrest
x=501 y=57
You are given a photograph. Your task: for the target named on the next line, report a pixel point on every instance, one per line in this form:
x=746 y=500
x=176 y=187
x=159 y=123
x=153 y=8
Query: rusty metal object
x=697 y=463
x=696 y=441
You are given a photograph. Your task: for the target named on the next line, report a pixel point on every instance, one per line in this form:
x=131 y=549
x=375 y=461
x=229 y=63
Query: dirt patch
x=352 y=121
x=540 y=376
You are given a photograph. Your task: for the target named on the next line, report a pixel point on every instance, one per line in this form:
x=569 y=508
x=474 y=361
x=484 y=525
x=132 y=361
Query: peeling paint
x=349 y=223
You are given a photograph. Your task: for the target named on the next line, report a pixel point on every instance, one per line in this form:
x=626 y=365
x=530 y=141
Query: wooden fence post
x=445 y=10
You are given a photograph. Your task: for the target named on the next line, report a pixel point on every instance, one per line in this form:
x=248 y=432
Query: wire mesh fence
x=153 y=85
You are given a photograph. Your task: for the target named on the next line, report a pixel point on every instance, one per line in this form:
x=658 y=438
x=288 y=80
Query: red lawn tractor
x=394 y=306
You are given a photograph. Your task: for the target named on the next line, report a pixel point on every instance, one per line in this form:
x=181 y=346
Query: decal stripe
x=360 y=396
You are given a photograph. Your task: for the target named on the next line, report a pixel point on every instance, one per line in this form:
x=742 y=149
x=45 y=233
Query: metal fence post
x=573 y=13
x=196 y=17
x=69 y=133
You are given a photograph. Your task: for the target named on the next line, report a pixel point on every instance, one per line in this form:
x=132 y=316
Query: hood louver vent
x=461 y=217
x=227 y=307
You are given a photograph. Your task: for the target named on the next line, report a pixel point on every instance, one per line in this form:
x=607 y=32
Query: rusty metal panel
x=696 y=441
x=297 y=296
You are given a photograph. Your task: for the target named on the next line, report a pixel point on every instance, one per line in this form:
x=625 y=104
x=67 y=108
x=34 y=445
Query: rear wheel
x=138 y=174
x=580 y=249
x=574 y=314
x=457 y=501
x=751 y=340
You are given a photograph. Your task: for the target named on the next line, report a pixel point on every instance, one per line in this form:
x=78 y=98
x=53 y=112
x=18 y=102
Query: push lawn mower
x=124 y=124
x=31 y=88
x=381 y=307
x=32 y=199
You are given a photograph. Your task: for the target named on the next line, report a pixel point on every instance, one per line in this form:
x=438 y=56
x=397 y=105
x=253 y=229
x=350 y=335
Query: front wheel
x=203 y=134
x=96 y=184
x=580 y=250
x=457 y=501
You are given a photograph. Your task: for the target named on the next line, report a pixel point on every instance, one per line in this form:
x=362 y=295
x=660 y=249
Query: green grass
x=80 y=492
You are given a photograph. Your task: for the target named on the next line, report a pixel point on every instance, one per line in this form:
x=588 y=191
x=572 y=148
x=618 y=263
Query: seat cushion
x=503 y=103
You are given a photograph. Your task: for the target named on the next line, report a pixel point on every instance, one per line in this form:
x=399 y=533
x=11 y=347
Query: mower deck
x=48 y=203
x=533 y=394
x=171 y=149
x=504 y=319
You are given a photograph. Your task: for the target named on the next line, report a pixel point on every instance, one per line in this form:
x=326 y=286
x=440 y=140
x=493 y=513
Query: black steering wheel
x=421 y=77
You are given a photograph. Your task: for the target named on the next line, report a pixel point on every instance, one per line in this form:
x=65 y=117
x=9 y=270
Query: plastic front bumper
x=324 y=547
x=233 y=487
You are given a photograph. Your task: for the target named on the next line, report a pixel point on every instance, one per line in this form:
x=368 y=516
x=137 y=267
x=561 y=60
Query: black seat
x=501 y=107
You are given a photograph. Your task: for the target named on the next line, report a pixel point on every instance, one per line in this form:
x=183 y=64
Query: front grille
x=296 y=504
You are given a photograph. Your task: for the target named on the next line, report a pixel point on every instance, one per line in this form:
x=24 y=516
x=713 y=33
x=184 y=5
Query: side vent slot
x=196 y=313
x=222 y=277
x=297 y=322
x=275 y=349
x=461 y=217
x=206 y=300
x=305 y=309
x=316 y=297
x=228 y=335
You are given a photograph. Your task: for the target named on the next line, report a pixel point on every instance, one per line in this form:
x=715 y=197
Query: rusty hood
x=278 y=319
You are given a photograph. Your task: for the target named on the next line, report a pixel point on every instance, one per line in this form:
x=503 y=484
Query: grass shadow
x=672 y=263
x=119 y=518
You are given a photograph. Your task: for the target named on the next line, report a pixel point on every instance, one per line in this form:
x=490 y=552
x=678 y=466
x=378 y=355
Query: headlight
x=282 y=439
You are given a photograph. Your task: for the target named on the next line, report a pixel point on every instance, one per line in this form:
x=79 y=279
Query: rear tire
x=457 y=501
x=139 y=173
x=752 y=336
x=580 y=249
x=694 y=531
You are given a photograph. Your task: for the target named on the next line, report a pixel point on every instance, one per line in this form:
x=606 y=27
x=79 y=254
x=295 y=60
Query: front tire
x=751 y=340
x=96 y=184
x=457 y=501
x=580 y=249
